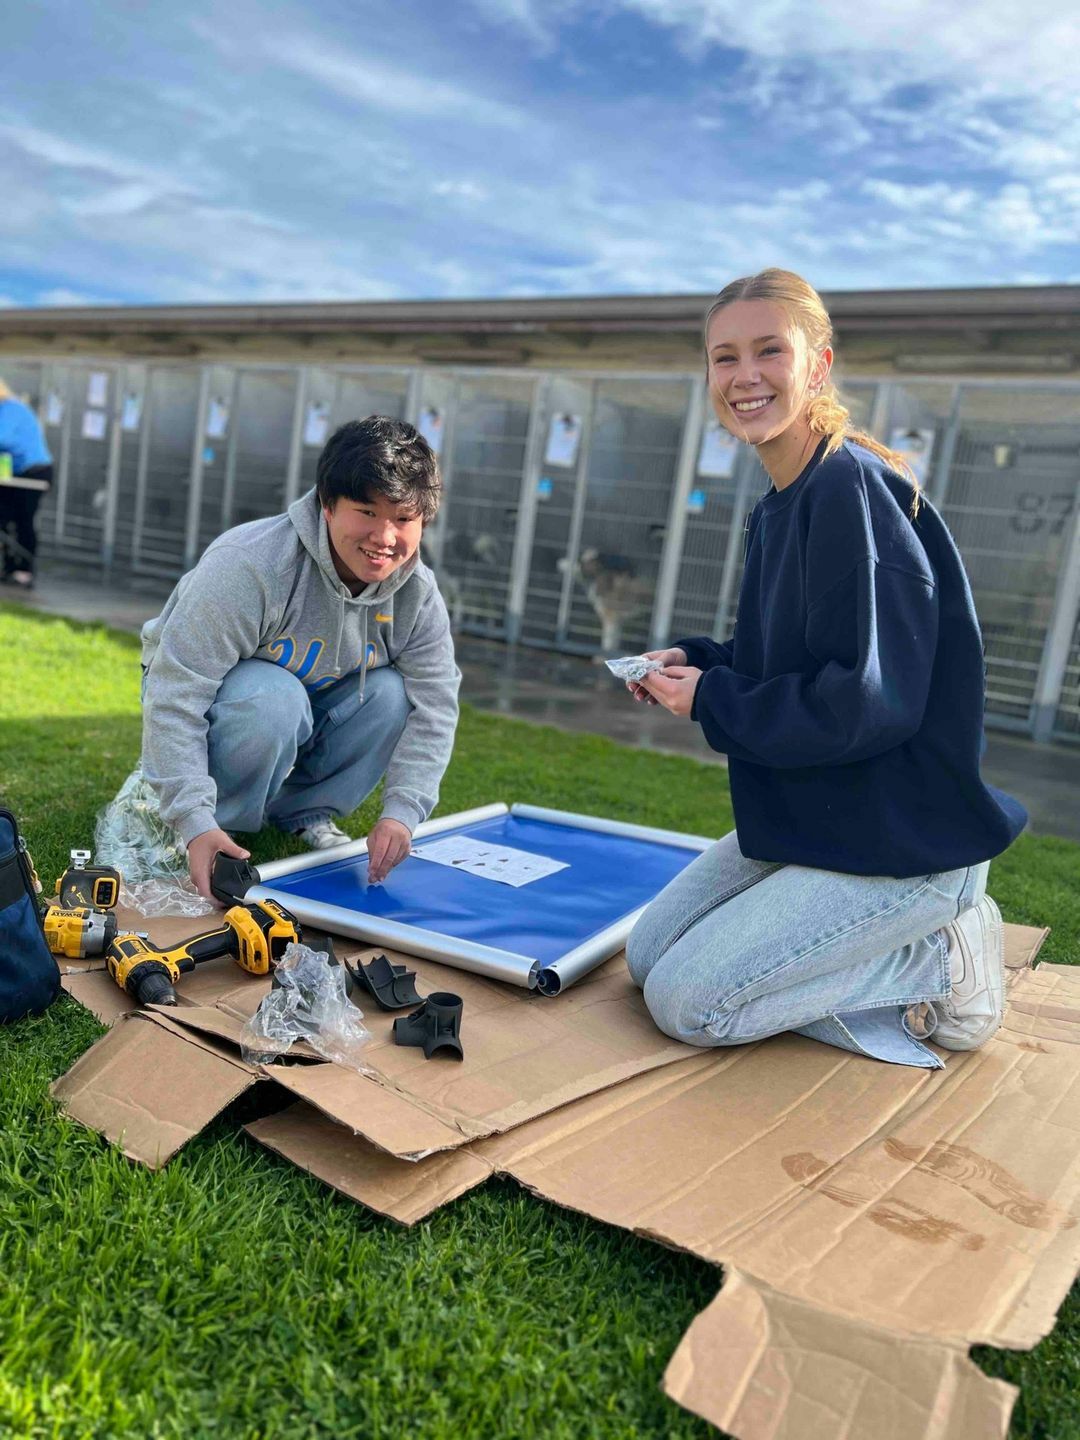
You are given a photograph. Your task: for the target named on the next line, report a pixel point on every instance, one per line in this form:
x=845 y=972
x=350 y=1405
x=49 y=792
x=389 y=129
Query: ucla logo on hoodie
x=284 y=652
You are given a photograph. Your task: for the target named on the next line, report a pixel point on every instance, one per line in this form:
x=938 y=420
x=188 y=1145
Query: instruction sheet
x=489 y=862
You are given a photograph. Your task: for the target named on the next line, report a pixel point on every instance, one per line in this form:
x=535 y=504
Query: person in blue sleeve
x=22 y=441
x=849 y=904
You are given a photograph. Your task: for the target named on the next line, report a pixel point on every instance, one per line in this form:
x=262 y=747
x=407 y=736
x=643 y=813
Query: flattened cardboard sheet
x=879 y=1219
x=938 y=1208
x=402 y=1191
x=758 y=1363
x=149 y=1087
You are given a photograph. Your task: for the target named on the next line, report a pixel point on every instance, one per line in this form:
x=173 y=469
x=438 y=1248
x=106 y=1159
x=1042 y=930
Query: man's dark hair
x=379 y=456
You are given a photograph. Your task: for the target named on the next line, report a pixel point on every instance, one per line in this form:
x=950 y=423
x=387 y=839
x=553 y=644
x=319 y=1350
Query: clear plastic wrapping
x=308 y=1002
x=633 y=667
x=152 y=859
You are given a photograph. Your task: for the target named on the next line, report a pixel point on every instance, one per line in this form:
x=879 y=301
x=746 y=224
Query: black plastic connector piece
x=436 y=1026
x=393 y=987
x=231 y=878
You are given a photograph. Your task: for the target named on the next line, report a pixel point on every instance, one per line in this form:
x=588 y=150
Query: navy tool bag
x=29 y=976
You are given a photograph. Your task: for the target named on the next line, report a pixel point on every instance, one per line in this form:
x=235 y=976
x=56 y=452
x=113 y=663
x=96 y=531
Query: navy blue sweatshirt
x=850 y=700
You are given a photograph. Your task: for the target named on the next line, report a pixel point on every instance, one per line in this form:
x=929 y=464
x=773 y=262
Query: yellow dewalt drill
x=254 y=934
x=78 y=933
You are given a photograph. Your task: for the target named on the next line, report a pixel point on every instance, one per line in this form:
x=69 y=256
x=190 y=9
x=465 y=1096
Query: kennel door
x=1010 y=503
x=554 y=509
x=73 y=512
x=167 y=435
x=614 y=555
x=477 y=524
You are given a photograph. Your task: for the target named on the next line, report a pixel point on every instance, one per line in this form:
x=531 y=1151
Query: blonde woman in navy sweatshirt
x=849 y=904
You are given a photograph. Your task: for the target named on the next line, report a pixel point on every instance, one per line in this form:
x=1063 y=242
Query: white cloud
x=460 y=189
x=1016 y=50
x=377 y=85
x=61 y=295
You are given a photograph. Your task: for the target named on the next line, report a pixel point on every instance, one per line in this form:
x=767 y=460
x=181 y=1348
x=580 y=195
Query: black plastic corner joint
x=393 y=987
x=436 y=1026
x=231 y=878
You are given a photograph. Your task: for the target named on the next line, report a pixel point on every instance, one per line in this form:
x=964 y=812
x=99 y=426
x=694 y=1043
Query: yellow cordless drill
x=254 y=934
x=78 y=920
x=78 y=933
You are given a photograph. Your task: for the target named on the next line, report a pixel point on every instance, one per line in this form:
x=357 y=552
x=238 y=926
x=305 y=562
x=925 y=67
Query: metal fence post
x=577 y=517
x=882 y=412
x=142 y=467
x=64 y=467
x=198 y=445
x=296 y=439
x=740 y=507
x=112 y=467
x=526 y=523
x=1059 y=634
x=939 y=487
x=671 y=560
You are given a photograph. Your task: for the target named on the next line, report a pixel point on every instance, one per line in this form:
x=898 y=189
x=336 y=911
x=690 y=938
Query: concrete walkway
x=575 y=694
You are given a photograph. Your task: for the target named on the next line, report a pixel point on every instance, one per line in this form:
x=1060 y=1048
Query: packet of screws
x=633 y=667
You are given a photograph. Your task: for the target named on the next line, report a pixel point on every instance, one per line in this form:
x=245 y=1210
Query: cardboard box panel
x=149 y=1089
x=763 y=1366
x=403 y=1191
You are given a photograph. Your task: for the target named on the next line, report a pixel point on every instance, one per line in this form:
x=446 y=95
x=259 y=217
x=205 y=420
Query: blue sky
x=413 y=148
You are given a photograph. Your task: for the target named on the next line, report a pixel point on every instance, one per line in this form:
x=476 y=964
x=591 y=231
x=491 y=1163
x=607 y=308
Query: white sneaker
x=974 y=1009
x=323 y=835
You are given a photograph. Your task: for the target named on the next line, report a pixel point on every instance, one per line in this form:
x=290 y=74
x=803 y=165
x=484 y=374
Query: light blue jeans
x=284 y=755
x=734 y=950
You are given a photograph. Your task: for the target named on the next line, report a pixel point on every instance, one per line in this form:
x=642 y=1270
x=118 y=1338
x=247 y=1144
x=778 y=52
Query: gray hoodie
x=268 y=590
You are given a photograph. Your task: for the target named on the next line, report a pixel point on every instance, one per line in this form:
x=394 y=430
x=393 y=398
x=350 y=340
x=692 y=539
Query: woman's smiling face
x=760 y=372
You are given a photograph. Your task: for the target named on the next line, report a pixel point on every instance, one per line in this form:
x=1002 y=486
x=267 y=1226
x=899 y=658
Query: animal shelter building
x=591 y=502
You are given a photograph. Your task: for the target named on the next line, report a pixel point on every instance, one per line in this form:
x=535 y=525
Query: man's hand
x=673 y=687
x=201 y=853
x=388 y=842
x=674 y=656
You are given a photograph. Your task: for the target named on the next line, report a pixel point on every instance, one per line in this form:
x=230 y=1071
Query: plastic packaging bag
x=309 y=1002
x=152 y=860
x=633 y=667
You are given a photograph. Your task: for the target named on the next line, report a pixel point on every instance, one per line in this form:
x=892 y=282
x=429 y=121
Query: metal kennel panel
x=1010 y=498
x=246 y=448
x=168 y=433
x=474 y=533
x=918 y=418
x=24 y=379
x=553 y=497
x=612 y=561
x=860 y=397
x=56 y=416
x=1066 y=723
x=122 y=479
x=714 y=547
x=88 y=391
x=213 y=461
x=332 y=397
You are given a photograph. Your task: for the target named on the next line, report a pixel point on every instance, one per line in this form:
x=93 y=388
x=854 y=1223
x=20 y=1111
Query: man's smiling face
x=370 y=539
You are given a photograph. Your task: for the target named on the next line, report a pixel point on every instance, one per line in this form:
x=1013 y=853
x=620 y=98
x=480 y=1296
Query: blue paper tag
x=544 y=488
x=208 y=455
x=695 y=502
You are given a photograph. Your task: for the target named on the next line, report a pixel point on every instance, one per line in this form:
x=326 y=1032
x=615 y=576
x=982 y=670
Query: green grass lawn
x=233 y=1296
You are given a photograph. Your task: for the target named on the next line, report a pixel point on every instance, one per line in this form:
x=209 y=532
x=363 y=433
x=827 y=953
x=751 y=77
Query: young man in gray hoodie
x=306 y=656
